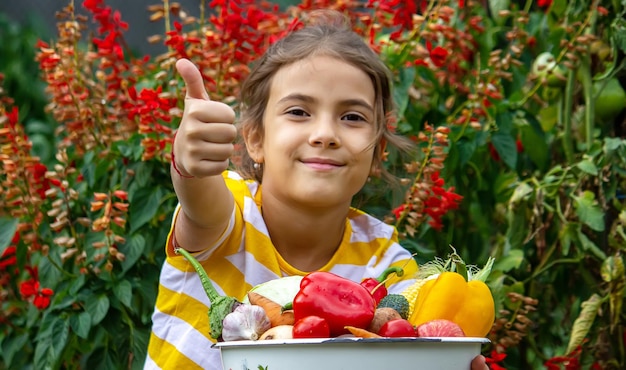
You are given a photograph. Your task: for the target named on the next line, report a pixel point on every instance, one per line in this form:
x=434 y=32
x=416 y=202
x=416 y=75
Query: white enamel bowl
x=348 y=353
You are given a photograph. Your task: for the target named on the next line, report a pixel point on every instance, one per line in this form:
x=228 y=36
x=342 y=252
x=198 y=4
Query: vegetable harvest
x=441 y=303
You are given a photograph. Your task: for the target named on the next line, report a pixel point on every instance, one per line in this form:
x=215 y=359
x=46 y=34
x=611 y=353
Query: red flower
x=399 y=211
x=544 y=3
x=440 y=201
x=8 y=257
x=42 y=299
x=438 y=55
x=570 y=361
x=30 y=289
x=494 y=359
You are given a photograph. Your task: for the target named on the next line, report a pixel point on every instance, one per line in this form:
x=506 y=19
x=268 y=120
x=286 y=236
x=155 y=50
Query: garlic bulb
x=246 y=322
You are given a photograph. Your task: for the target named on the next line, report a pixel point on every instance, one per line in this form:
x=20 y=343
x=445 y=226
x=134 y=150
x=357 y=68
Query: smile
x=321 y=163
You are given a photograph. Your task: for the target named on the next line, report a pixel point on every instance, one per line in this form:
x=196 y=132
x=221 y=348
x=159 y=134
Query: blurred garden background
x=517 y=107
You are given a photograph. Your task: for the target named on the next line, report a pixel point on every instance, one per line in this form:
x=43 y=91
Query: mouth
x=322 y=163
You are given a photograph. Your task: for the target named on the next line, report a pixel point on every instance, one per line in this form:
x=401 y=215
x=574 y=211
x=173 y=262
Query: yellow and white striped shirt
x=244 y=257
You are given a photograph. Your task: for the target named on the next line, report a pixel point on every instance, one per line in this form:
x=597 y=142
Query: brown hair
x=327 y=33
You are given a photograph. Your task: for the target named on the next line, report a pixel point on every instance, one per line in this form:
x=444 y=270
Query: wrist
x=174 y=166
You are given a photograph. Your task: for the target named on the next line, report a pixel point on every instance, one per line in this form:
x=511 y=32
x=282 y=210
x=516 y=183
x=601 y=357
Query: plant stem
x=565 y=116
x=587 y=82
x=549 y=266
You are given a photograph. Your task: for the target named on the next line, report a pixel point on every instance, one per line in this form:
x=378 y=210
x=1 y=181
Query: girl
x=313 y=120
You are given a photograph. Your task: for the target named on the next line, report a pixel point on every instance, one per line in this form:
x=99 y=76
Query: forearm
x=206 y=209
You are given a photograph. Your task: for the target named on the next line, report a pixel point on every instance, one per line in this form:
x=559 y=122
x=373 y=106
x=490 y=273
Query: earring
x=256 y=166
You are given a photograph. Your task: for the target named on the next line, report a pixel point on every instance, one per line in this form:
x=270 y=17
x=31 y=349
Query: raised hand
x=204 y=140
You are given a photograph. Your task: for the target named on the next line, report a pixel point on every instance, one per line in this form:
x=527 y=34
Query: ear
x=253 y=137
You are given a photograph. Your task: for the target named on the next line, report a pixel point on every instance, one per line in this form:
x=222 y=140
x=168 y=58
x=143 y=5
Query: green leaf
x=511 y=261
x=588 y=211
x=587 y=166
x=495 y=6
x=465 y=150
x=143 y=174
x=139 y=345
x=612 y=144
x=97 y=307
x=612 y=272
x=590 y=246
x=521 y=193
x=567 y=235
x=81 y=324
x=48 y=271
x=133 y=249
x=583 y=322
x=506 y=147
x=143 y=207
x=401 y=90
x=124 y=292
x=517 y=227
x=8 y=226
x=619 y=33
x=51 y=342
x=11 y=345
x=534 y=143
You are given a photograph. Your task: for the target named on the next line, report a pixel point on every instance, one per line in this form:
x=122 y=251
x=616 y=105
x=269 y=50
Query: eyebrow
x=310 y=99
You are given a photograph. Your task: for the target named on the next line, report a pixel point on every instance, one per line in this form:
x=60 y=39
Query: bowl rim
x=309 y=341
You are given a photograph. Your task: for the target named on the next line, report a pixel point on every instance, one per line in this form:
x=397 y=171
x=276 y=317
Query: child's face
x=318 y=143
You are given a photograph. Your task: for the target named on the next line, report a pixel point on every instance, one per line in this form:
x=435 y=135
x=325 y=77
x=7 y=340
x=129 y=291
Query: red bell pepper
x=377 y=286
x=311 y=327
x=339 y=301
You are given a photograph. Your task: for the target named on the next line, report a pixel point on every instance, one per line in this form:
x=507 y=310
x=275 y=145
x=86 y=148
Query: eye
x=297 y=112
x=353 y=117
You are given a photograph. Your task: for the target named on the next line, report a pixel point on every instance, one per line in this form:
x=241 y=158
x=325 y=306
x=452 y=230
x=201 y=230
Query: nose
x=324 y=133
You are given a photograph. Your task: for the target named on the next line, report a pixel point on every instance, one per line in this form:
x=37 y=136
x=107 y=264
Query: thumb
x=193 y=79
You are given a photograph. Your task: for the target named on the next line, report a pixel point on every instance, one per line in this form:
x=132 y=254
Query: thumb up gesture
x=204 y=140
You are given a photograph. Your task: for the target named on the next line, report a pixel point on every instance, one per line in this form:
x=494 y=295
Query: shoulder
x=241 y=187
x=367 y=228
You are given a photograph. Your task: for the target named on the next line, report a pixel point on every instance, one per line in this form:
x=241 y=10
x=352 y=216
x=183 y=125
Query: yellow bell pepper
x=468 y=304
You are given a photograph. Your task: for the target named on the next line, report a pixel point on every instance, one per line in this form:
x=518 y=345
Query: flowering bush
x=517 y=109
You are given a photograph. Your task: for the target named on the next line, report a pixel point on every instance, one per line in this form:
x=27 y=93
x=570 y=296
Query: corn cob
x=427 y=271
x=411 y=293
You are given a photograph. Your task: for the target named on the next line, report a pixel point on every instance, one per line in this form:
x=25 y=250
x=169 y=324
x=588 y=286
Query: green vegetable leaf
x=220 y=305
x=588 y=211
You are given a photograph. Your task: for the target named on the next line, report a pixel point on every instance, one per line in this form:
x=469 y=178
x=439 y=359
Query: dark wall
x=134 y=12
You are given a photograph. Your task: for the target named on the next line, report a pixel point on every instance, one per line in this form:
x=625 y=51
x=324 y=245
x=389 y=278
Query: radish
x=439 y=328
